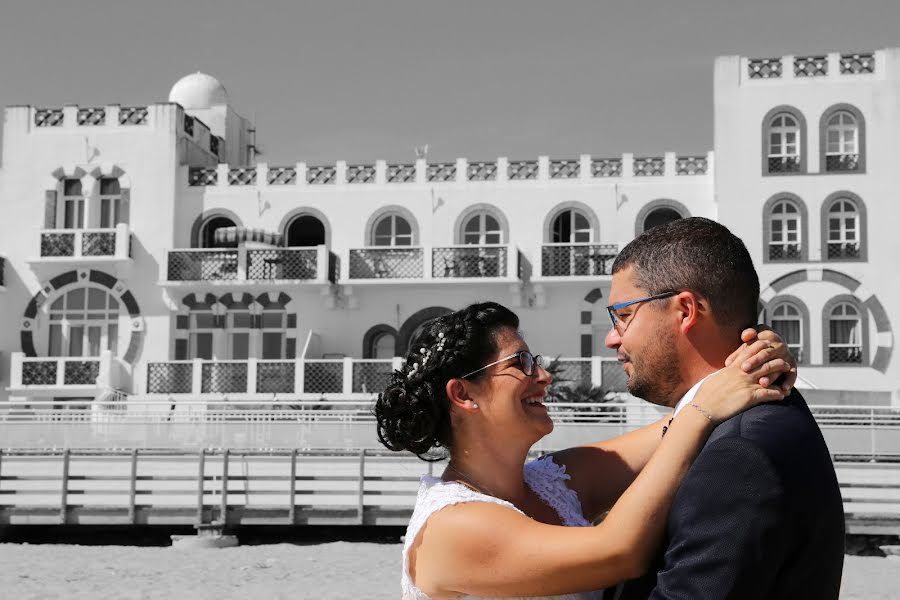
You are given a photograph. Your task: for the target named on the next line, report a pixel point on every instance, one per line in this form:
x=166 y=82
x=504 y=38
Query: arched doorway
x=208 y=233
x=660 y=216
x=305 y=230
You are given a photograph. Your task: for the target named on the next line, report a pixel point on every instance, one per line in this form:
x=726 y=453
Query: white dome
x=198 y=90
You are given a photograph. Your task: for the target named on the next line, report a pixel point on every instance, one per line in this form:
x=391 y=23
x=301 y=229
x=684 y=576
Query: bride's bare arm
x=490 y=550
x=601 y=471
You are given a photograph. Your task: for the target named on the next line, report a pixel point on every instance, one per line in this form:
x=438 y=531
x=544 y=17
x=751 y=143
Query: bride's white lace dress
x=543 y=476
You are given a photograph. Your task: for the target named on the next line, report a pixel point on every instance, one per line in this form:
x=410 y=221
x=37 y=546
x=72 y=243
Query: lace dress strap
x=548 y=480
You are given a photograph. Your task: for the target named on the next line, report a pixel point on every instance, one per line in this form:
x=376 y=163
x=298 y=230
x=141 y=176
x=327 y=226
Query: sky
x=372 y=79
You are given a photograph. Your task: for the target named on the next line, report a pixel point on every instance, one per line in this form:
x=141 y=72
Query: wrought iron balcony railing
x=840 y=163
x=577 y=260
x=845 y=250
x=84 y=244
x=784 y=164
x=485 y=261
x=784 y=251
x=395 y=262
x=250 y=265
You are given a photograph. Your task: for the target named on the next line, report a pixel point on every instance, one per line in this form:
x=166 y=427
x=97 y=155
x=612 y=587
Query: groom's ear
x=692 y=308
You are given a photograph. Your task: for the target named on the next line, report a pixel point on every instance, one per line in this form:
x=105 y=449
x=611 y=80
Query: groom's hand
x=765 y=345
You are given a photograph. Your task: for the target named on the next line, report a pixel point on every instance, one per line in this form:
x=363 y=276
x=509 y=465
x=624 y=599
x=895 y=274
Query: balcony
x=784 y=164
x=843 y=251
x=309 y=379
x=474 y=262
x=66 y=376
x=83 y=245
x=786 y=252
x=249 y=265
x=842 y=163
x=577 y=260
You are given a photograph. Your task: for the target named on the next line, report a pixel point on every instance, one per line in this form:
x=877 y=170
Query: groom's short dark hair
x=700 y=255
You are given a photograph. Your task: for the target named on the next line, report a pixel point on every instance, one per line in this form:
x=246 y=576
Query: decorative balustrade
x=223 y=377
x=577 y=260
x=201 y=176
x=242 y=176
x=565 y=169
x=281 y=176
x=386 y=263
x=811 y=66
x=57 y=374
x=405 y=173
x=481 y=171
x=836 y=163
x=469 y=261
x=784 y=251
x=691 y=165
x=48 y=117
x=310 y=379
x=282 y=263
x=843 y=250
x=360 y=173
x=91 y=116
x=133 y=115
x=245 y=264
x=86 y=243
x=321 y=175
x=784 y=164
x=854 y=64
x=521 y=170
x=652 y=166
x=606 y=167
x=441 y=172
x=764 y=68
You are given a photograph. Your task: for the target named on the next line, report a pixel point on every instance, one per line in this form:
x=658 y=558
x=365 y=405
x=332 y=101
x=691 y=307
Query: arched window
x=845 y=335
x=842 y=139
x=111 y=205
x=660 y=216
x=481 y=229
x=785 y=231
x=305 y=230
x=73 y=204
x=392 y=230
x=841 y=143
x=208 y=233
x=84 y=322
x=843 y=229
x=784 y=144
x=787 y=320
x=383 y=346
x=571 y=226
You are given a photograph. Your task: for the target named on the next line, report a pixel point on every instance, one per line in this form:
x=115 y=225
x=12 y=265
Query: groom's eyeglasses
x=620 y=322
x=527 y=363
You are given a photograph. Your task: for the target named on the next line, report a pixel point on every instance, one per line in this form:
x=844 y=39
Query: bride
x=495 y=526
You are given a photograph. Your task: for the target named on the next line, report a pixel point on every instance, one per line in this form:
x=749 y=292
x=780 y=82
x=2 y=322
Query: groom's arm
x=726 y=527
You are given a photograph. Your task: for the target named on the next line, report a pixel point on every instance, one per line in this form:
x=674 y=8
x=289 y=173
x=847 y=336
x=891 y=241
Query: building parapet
x=502 y=170
x=835 y=66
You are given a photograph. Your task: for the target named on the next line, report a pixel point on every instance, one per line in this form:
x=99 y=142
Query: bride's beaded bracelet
x=703 y=412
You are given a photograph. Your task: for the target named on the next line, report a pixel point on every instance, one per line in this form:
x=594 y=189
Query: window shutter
x=125 y=209
x=50 y=209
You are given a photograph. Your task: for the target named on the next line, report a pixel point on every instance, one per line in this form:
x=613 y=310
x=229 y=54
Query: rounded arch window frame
x=121 y=311
x=581 y=207
x=767 y=226
x=863 y=313
x=305 y=211
x=788 y=299
x=387 y=211
x=478 y=209
x=802 y=145
x=862 y=233
x=207 y=216
x=655 y=205
x=860 y=137
x=373 y=335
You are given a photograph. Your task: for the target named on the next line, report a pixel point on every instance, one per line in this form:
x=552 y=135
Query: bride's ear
x=458 y=394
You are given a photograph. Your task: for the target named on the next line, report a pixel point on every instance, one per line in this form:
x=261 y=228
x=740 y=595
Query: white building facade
x=142 y=257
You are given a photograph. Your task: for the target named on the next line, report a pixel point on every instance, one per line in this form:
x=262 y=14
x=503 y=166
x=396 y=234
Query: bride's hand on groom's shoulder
x=733 y=390
x=760 y=345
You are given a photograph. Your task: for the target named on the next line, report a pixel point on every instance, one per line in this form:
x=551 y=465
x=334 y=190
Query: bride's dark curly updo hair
x=413 y=412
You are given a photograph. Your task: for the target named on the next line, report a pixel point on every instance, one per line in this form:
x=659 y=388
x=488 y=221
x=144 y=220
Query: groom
x=759 y=515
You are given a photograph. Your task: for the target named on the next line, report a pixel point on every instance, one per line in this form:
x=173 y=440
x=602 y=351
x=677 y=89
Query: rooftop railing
x=822 y=66
x=499 y=171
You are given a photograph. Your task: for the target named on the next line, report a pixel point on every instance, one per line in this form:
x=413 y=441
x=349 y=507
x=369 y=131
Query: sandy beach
x=334 y=570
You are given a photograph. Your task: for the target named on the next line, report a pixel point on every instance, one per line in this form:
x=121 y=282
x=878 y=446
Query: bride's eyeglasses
x=527 y=363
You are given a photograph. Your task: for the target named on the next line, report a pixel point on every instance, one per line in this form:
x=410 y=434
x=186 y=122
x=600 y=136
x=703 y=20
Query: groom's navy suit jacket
x=759 y=515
